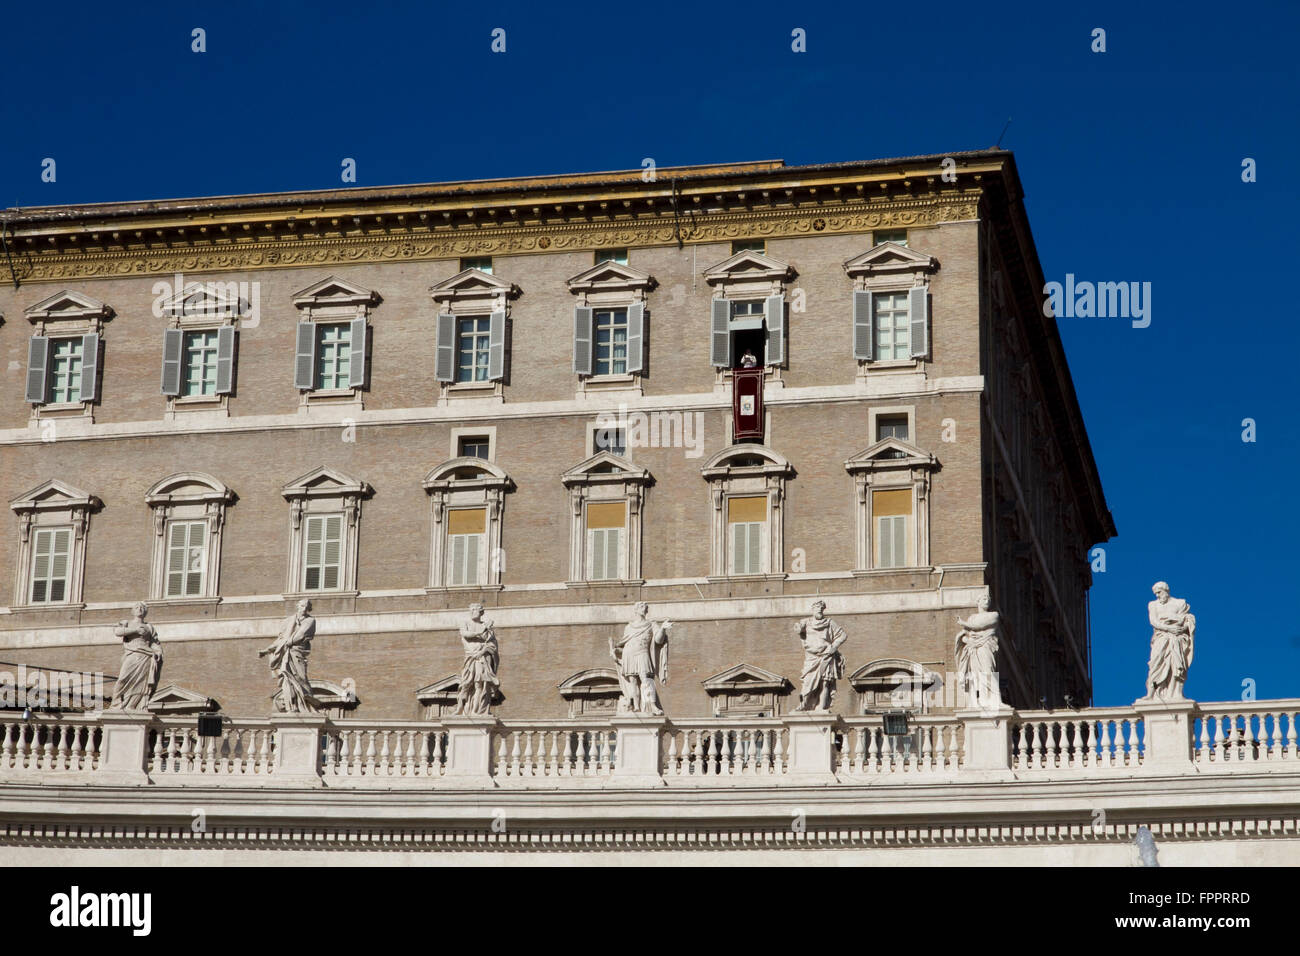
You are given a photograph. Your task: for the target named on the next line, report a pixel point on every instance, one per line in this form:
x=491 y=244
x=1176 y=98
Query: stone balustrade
x=797 y=749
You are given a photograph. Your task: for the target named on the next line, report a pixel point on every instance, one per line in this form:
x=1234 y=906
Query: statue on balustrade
x=137 y=680
x=1173 y=642
x=977 y=657
x=823 y=664
x=288 y=662
x=642 y=658
x=478 y=675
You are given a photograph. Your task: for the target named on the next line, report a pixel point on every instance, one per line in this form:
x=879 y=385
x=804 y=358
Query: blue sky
x=1131 y=162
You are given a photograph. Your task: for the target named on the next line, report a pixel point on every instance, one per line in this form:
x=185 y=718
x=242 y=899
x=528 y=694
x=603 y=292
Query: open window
x=748 y=321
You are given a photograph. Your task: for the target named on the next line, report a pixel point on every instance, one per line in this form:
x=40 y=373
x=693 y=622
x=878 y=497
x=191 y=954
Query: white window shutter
x=357 y=350
x=582 y=340
x=635 y=336
x=497 y=346
x=38 y=352
x=444 y=363
x=720 y=334
x=304 y=366
x=173 y=349
x=225 y=360
x=918 y=303
x=89 y=366
x=864 y=332
x=774 y=313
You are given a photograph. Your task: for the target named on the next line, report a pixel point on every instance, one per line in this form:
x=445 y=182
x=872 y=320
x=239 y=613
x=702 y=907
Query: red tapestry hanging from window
x=747 y=404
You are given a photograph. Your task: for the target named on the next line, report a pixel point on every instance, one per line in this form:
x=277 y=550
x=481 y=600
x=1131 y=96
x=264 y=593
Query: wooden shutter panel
x=173 y=349
x=885 y=544
x=918 y=304
x=635 y=336
x=38 y=354
x=225 y=360
x=497 y=346
x=357 y=347
x=89 y=366
x=304 y=366
x=774 y=312
x=864 y=332
x=445 y=349
x=720 y=338
x=581 y=340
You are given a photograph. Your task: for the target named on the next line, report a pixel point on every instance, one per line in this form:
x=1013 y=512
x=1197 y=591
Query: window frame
x=334 y=301
x=462 y=484
x=747 y=471
x=51 y=532
x=323 y=492
x=52 y=505
x=611 y=286
x=68 y=315
x=188 y=497
x=892 y=465
x=197 y=309
x=605 y=478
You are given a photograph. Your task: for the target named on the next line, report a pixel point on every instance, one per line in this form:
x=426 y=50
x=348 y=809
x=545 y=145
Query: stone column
x=469 y=749
x=987 y=734
x=123 y=749
x=1167 y=734
x=637 y=760
x=298 y=749
x=810 y=753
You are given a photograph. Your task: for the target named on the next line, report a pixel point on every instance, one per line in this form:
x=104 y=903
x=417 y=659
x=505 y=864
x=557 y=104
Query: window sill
x=492 y=391
x=63 y=410
x=463 y=588
x=183 y=601
x=318 y=595
x=334 y=399
x=881 y=572
x=607 y=583
x=201 y=406
x=728 y=578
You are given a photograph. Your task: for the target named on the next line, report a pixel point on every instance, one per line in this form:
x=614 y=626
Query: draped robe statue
x=823 y=664
x=1173 y=642
x=642 y=657
x=977 y=656
x=141 y=661
x=478 y=675
x=288 y=655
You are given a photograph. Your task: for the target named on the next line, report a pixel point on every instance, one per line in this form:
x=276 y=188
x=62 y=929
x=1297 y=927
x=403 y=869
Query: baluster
x=63 y=747
x=7 y=745
x=368 y=758
x=78 y=754
x=439 y=755
x=158 y=753
x=1214 y=737
x=213 y=760
x=672 y=754
x=514 y=753
x=1274 y=723
x=530 y=765
x=184 y=748
x=551 y=766
x=1290 y=735
x=1103 y=742
x=566 y=759
x=46 y=757
x=778 y=757
x=1027 y=743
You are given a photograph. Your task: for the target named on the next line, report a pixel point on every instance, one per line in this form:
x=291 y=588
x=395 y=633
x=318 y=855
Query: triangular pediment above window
x=54 y=495
x=611 y=277
x=744 y=678
x=67 y=305
x=440 y=691
x=173 y=699
x=473 y=283
x=890 y=453
x=323 y=482
x=334 y=291
x=216 y=299
x=889 y=258
x=605 y=466
x=749 y=264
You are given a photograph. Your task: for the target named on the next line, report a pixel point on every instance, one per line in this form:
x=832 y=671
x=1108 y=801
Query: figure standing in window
x=478 y=676
x=641 y=656
x=141 y=661
x=823 y=664
x=289 y=654
x=749 y=359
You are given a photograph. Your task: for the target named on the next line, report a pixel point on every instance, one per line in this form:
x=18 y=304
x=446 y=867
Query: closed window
x=891 y=426
x=333 y=355
x=890 y=235
x=612 y=440
x=51 y=557
x=481 y=263
x=606 y=534
x=746 y=532
x=611 y=341
x=201 y=362
x=466 y=530
x=65 y=370
x=186 y=557
x=749 y=245
x=892 y=511
x=473 y=348
x=323 y=558
x=893 y=326
x=611 y=255
x=474 y=446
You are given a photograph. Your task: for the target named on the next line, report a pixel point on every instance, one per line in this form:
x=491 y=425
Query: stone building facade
x=399 y=401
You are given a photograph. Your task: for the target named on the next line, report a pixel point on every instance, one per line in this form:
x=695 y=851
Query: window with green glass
x=474 y=337
x=65 y=371
x=333 y=355
x=893 y=326
x=201 y=362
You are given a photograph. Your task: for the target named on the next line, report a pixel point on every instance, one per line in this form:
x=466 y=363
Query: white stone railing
x=794 y=750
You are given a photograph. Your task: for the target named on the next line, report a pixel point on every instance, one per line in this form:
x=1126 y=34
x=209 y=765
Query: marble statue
x=137 y=680
x=478 y=676
x=288 y=655
x=823 y=664
x=642 y=658
x=1173 y=642
x=977 y=656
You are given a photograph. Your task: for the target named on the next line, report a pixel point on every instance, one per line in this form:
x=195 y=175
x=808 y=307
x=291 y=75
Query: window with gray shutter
x=173 y=345
x=919 y=306
x=225 y=360
x=497 y=346
x=582 y=340
x=304 y=366
x=774 y=312
x=357 y=368
x=635 y=336
x=444 y=363
x=89 y=366
x=720 y=337
x=864 y=336
x=38 y=351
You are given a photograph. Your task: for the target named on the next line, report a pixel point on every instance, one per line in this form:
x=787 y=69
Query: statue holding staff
x=642 y=658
